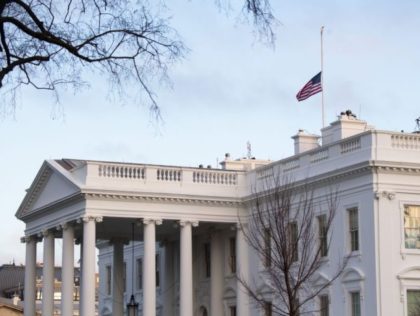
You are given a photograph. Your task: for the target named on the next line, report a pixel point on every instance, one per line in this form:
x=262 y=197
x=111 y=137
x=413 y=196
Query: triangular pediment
x=51 y=185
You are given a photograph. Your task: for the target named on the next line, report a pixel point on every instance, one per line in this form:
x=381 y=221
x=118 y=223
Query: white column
x=149 y=266
x=186 y=274
x=118 y=279
x=88 y=264
x=242 y=297
x=30 y=277
x=48 y=274
x=67 y=285
x=168 y=279
x=80 y=276
x=216 y=278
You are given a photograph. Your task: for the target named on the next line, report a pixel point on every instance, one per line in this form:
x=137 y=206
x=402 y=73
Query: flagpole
x=322 y=76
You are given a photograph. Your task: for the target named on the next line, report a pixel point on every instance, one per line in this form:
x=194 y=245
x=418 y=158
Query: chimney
x=305 y=142
x=347 y=125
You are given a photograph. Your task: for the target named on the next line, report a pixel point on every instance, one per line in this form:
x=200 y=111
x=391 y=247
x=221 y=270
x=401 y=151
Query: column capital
x=26 y=239
x=193 y=223
x=45 y=233
x=85 y=219
x=156 y=221
x=64 y=226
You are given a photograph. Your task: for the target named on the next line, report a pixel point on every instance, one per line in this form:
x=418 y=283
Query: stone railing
x=121 y=171
x=214 y=177
x=165 y=174
x=405 y=141
x=351 y=145
x=148 y=173
x=319 y=155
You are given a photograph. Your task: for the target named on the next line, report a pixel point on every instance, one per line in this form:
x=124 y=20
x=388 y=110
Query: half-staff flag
x=314 y=86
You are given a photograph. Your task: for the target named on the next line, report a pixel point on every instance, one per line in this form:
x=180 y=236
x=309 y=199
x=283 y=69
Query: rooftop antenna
x=249 y=152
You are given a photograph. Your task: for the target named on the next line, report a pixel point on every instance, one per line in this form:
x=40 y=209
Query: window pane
x=354 y=229
x=294 y=243
x=139 y=274
x=207 y=260
x=412 y=226
x=355 y=304
x=108 y=280
x=322 y=235
x=232 y=254
x=324 y=305
x=267 y=245
x=413 y=302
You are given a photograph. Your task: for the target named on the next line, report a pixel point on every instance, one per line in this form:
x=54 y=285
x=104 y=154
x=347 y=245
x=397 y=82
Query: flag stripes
x=314 y=86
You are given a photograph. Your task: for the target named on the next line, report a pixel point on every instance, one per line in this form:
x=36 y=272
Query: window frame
x=139 y=273
x=322 y=235
x=232 y=255
x=353 y=311
x=324 y=311
x=350 y=231
x=403 y=220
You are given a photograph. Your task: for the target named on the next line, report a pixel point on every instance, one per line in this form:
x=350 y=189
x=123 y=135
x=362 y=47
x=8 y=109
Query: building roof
x=12 y=277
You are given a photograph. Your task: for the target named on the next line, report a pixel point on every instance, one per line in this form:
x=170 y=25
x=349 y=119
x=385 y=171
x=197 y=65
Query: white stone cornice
x=162 y=199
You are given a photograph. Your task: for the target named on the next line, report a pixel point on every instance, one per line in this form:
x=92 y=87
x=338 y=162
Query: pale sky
x=229 y=89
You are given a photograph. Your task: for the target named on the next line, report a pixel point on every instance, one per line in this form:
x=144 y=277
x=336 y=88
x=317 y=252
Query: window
x=355 y=304
x=157 y=263
x=294 y=243
x=139 y=274
x=353 y=214
x=207 y=260
x=232 y=310
x=108 y=280
x=322 y=235
x=268 y=309
x=324 y=302
x=413 y=302
x=232 y=254
x=267 y=245
x=125 y=277
x=412 y=226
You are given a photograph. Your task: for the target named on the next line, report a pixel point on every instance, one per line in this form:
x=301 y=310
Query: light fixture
x=132 y=305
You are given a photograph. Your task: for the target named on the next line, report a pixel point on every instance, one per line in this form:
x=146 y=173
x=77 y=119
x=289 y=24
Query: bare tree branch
x=51 y=43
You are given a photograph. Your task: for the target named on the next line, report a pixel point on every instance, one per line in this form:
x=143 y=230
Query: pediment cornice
x=166 y=199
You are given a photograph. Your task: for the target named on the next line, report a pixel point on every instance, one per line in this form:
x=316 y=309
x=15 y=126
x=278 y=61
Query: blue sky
x=229 y=89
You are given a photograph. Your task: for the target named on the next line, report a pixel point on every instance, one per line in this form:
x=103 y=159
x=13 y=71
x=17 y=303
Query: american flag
x=312 y=87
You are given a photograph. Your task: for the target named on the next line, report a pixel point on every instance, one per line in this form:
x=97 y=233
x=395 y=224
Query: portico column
x=216 y=274
x=30 y=276
x=67 y=285
x=88 y=265
x=118 y=278
x=149 y=267
x=186 y=277
x=242 y=298
x=48 y=274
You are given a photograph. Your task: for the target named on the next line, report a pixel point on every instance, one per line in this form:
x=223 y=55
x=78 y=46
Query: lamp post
x=132 y=305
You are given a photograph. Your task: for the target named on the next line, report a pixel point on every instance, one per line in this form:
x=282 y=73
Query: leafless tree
x=47 y=44
x=291 y=232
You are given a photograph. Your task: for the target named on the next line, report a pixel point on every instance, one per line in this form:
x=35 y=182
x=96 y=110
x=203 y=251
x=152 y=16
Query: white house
x=186 y=219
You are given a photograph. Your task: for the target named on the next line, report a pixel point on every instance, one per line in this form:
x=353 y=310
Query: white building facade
x=189 y=246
